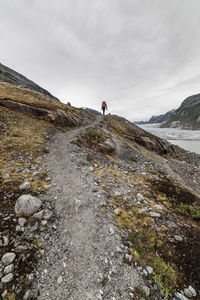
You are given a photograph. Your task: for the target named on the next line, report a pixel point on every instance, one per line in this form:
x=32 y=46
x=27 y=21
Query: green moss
x=133 y=159
x=190 y=210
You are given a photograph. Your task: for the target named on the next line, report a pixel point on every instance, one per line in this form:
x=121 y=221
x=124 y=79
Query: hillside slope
x=187 y=116
x=10 y=76
x=118 y=213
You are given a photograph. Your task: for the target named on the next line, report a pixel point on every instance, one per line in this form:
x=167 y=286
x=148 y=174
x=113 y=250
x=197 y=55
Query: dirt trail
x=84 y=256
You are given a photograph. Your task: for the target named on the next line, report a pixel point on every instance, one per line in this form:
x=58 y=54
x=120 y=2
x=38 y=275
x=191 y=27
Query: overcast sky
x=141 y=56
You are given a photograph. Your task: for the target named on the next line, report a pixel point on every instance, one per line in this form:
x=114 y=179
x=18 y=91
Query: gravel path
x=84 y=254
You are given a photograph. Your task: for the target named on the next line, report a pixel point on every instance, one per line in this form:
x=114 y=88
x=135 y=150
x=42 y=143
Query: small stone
x=117 y=211
x=28 y=295
x=34 y=227
x=6 y=176
x=129 y=258
x=8 y=278
x=59 y=281
x=44 y=223
x=5 y=240
x=47 y=214
x=149 y=269
x=8 y=258
x=114 y=270
x=118 y=194
x=39 y=216
x=118 y=249
x=9 y=269
x=178 y=238
x=179 y=296
x=145 y=272
x=194 y=294
x=25 y=185
x=159 y=207
x=140 y=198
x=146 y=290
x=188 y=293
x=94 y=190
x=155 y=214
x=18 y=228
x=22 y=221
x=111 y=230
x=3 y=295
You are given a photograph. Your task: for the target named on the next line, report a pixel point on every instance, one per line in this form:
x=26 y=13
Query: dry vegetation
x=29 y=97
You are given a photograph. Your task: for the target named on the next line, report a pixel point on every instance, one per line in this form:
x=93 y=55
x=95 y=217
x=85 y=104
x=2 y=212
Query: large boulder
x=27 y=205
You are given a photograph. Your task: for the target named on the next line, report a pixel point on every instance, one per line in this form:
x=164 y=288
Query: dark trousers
x=103 y=108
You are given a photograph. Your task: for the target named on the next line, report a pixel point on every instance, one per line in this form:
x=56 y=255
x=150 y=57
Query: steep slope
x=187 y=116
x=10 y=76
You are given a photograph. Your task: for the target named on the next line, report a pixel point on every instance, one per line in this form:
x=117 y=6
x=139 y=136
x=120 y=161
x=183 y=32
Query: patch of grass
x=94 y=134
x=43 y=175
x=190 y=210
x=133 y=159
x=163 y=275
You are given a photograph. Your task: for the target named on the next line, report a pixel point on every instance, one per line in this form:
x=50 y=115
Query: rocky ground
x=118 y=221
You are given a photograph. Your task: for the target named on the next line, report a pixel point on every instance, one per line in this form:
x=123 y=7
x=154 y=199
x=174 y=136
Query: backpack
x=104 y=104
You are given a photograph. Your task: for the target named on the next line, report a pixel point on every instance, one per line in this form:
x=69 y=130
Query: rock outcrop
x=58 y=117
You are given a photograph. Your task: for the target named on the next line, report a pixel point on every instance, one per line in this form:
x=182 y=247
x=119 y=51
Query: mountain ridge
x=10 y=76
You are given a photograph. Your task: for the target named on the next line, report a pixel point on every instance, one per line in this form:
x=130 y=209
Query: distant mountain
x=187 y=116
x=157 y=119
x=10 y=76
x=92 y=111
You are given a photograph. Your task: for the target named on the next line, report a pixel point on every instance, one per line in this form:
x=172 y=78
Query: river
x=186 y=139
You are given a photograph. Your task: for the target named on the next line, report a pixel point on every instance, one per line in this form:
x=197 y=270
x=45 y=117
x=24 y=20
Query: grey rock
x=47 y=214
x=111 y=230
x=117 y=210
x=146 y=290
x=128 y=258
x=34 y=227
x=192 y=290
x=22 y=221
x=8 y=258
x=25 y=185
x=6 y=176
x=28 y=295
x=27 y=205
x=140 y=198
x=3 y=295
x=8 y=278
x=188 y=293
x=18 y=228
x=5 y=240
x=9 y=269
x=155 y=214
x=60 y=279
x=145 y=272
x=149 y=269
x=179 y=296
x=44 y=223
x=158 y=207
x=178 y=238
x=39 y=215
x=118 y=194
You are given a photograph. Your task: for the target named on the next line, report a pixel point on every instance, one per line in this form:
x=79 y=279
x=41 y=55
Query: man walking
x=104 y=107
